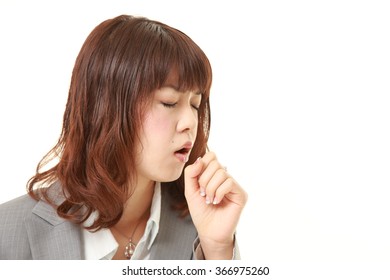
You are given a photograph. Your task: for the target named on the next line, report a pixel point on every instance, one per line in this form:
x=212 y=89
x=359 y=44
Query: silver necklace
x=130 y=246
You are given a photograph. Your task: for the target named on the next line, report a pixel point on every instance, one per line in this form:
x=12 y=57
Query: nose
x=188 y=119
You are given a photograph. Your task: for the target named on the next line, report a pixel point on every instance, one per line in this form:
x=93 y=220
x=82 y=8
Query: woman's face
x=168 y=133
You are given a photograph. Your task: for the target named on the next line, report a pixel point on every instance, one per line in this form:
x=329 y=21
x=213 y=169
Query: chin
x=171 y=177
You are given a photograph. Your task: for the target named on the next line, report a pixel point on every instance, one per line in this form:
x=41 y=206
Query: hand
x=215 y=201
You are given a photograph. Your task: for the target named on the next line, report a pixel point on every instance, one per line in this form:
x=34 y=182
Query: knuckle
x=230 y=182
x=212 y=155
x=187 y=170
x=221 y=172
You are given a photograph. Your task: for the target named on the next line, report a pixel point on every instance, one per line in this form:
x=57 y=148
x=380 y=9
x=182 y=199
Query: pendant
x=129 y=249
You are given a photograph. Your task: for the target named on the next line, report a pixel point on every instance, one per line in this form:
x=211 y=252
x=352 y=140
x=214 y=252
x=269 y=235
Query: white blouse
x=101 y=245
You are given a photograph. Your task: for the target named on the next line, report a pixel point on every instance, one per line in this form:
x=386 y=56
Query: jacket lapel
x=176 y=235
x=52 y=237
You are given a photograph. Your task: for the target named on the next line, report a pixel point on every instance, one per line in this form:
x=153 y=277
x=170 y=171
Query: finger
x=207 y=174
x=219 y=177
x=191 y=174
x=231 y=191
x=225 y=188
x=209 y=157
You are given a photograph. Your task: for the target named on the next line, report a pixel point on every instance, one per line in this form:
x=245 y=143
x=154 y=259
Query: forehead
x=181 y=83
x=172 y=80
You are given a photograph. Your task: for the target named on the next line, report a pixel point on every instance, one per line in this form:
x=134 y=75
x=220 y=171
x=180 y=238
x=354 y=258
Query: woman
x=132 y=177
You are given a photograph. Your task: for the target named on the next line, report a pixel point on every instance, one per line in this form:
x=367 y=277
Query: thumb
x=191 y=174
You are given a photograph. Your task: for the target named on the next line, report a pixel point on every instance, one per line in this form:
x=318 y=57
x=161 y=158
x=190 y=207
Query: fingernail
x=208 y=200
x=202 y=192
x=215 y=201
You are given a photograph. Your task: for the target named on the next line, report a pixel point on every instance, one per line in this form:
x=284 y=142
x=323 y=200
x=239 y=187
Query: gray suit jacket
x=32 y=229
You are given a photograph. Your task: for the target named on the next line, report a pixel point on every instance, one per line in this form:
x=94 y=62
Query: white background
x=300 y=110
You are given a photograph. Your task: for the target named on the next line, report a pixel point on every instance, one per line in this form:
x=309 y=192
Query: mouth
x=183 y=153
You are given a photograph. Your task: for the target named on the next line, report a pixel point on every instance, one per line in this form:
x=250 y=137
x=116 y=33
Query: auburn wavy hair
x=120 y=65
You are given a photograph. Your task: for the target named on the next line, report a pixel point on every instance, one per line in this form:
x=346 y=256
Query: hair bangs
x=193 y=68
x=175 y=55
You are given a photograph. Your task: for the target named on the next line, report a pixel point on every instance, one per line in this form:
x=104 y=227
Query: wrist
x=217 y=250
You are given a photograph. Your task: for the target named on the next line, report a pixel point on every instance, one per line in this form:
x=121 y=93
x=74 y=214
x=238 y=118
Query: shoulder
x=16 y=209
x=14 y=215
x=32 y=229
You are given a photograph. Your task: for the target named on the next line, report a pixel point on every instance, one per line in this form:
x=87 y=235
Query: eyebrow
x=176 y=88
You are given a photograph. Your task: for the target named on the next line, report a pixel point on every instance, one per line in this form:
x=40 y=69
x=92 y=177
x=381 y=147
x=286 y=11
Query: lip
x=187 y=145
x=182 y=154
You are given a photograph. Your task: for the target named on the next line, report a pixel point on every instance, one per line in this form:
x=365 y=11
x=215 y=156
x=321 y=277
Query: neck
x=137 y=206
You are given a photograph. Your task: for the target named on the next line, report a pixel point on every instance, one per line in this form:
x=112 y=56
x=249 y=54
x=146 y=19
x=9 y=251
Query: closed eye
x=195 y=107
x=169 y=105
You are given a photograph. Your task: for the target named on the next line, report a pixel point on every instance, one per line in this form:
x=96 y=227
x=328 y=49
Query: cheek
x=158 y=125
